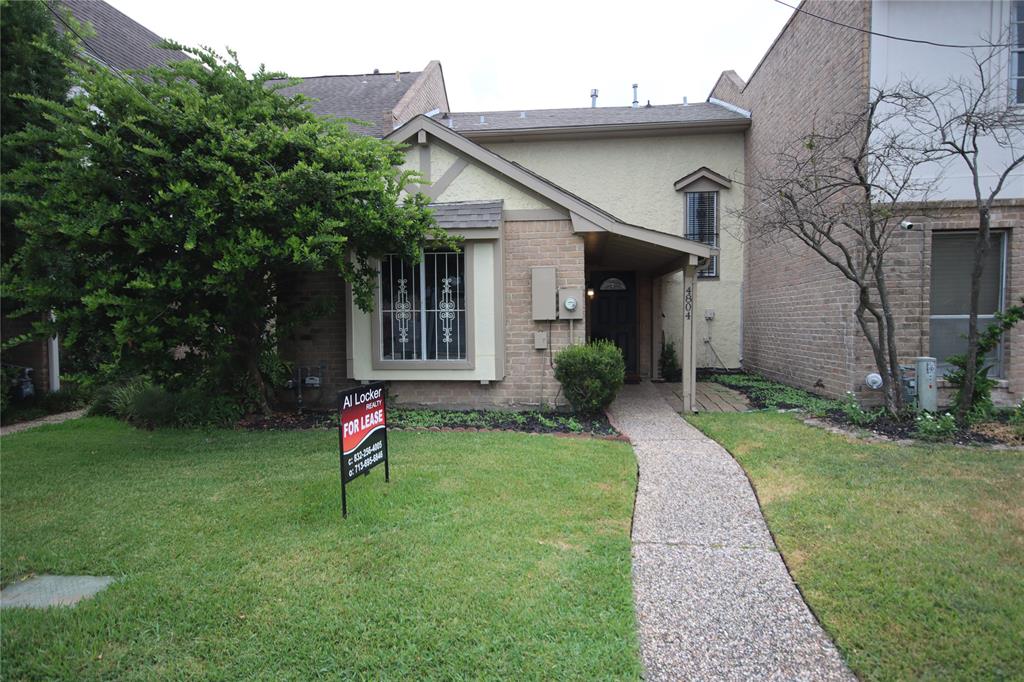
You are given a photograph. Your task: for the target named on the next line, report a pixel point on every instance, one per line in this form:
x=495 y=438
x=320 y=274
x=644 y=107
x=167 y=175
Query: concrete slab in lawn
x=44 y=591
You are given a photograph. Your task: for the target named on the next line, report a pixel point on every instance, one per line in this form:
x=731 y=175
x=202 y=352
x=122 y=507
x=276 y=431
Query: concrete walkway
x=713 y=597
x=49 y=419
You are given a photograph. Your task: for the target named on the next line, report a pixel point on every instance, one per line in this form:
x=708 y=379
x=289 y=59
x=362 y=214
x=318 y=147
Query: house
x=798 y=323
x=121 y=44
x=623 y=210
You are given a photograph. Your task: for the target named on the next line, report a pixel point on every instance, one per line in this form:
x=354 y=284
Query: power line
x=886 y=35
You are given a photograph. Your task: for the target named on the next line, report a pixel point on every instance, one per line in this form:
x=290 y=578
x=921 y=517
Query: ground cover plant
x=489 y=555
x=911 y=556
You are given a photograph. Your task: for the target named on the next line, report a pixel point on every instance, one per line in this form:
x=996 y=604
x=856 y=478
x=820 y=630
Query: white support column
x=54 y=359
x=688 y=356
x=657 y=324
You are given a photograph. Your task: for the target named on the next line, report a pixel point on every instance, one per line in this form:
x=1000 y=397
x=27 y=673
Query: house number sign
x=362 y=434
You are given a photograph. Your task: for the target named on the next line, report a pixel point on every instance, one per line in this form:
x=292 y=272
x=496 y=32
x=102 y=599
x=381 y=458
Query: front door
x=613 y=313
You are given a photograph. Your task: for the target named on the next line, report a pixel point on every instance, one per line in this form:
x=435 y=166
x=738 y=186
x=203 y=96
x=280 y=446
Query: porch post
x=657 y=325
x=689 y=352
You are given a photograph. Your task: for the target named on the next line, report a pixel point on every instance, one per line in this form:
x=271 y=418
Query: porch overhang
x=656 y=254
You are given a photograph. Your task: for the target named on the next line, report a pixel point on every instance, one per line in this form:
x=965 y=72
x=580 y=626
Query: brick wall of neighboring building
x=317 y=348
x=529 y=378
x=34 y=354
x=798 y=324
x=909 y=276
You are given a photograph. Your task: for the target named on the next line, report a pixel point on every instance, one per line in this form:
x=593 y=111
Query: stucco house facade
x=626 y=210
x=798 y=311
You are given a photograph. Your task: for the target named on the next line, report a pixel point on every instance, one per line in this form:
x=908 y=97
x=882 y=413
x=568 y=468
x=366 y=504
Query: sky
x=523 y=55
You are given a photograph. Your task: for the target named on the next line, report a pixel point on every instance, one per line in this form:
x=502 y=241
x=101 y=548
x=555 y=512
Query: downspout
x=54 y=352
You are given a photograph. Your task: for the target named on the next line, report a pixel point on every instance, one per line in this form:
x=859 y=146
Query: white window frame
x=1016 y=48
x=711 y=270
x=379 y=361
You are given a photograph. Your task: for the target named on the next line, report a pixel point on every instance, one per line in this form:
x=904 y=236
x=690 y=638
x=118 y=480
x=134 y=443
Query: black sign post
x=362 y=434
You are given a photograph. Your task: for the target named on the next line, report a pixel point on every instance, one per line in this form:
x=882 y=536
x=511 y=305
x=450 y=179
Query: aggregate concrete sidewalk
x=49 y=419
x=713 y=597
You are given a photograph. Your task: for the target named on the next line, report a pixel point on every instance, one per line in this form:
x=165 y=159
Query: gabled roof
x=591 y=120
x=120 y=43
x=702 y=173
x=585 y=216
x=371 y=97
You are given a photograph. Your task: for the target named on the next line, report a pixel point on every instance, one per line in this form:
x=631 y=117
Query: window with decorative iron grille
x=702 y=225
x=423 y=307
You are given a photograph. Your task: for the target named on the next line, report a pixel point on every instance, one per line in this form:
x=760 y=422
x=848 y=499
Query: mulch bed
x=899 y=430
x=471 y=421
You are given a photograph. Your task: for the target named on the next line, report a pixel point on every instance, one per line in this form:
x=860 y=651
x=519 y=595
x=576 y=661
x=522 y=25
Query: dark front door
x=613 y=313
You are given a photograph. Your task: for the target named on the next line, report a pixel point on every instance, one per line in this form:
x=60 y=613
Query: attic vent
x=482 y=121
x=398 y=76
x=376 y=71
x=522 y=114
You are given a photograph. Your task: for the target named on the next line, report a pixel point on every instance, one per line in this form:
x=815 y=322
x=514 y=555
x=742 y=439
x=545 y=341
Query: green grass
x=487 y=556
x=913 y=557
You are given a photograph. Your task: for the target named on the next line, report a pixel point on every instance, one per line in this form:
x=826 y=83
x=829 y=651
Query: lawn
x=912 y=557
x=489 y=555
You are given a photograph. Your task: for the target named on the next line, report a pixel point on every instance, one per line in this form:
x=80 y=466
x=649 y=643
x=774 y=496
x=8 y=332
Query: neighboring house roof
x=120 y=42
x=590 y=120
x=384 y=100
x=461 y=215
x=585 y=216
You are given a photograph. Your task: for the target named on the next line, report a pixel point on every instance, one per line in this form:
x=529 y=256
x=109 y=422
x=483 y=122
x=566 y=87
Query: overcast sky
x=524 y=55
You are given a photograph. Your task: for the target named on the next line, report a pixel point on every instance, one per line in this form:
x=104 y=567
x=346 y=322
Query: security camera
x=907 y=225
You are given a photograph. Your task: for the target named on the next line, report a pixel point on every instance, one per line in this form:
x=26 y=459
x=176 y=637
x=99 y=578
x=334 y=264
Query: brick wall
x=909 y=279
x=319 y=346
x=426 y=94
x=529 y=378
x=798 y=324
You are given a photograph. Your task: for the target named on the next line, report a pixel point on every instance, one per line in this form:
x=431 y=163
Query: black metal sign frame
x=362 y=435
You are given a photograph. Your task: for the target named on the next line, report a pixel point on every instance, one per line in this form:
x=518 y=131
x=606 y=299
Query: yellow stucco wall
x=632 y=178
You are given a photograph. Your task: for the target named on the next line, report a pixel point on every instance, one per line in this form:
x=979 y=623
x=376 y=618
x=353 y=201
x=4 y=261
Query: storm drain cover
x=52 y=590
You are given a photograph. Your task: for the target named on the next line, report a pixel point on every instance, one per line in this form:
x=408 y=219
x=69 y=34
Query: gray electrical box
x=545 y=302
x=927 y=384
x=540 y=340
x=570 y=303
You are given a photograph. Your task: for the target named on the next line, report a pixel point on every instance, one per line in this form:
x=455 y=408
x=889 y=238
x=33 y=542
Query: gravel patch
x=49 y=419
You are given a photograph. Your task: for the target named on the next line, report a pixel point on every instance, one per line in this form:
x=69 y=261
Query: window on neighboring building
x=1017 y=52
x=952 y=261
x=423 y=307
x=702 y=225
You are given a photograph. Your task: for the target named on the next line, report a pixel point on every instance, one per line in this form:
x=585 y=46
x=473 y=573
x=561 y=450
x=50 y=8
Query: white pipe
x=54 y=371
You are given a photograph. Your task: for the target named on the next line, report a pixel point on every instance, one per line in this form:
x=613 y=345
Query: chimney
x=593 y=98
x=636 y=102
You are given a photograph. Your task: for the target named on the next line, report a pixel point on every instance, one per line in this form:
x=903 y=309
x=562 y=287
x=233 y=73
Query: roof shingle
x=120 y=43
x=461 y=215
x=366 y=97
x=539 y=119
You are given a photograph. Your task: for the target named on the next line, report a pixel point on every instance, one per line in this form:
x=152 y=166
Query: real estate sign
x=362 y=434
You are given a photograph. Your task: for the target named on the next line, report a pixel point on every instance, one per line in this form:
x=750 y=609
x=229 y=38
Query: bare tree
x=843 y=193
x=970 y=121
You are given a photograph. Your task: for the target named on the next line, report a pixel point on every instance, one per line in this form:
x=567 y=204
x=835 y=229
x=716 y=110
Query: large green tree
x=33 y=61
x=178 y=204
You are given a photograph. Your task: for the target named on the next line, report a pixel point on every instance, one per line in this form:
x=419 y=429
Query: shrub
x=932 y=427
x=856 y=414
x=152 y=407
x=122 y=397
x=590 y=374
x=7 y=377
x=668 y=363
x=1017 y=420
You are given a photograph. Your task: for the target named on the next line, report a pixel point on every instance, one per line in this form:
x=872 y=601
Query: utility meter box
x=927 y=384
x=570 y=303
x=544 y=293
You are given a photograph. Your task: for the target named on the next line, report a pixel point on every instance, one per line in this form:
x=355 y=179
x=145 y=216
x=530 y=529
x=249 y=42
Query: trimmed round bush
x=591 y=374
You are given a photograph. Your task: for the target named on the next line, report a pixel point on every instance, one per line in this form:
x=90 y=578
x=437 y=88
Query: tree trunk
x=895 y=373
x=971 y=366
x=876 y=341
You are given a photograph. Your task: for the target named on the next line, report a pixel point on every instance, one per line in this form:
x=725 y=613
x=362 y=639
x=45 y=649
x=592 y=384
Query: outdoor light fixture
x=590 y=293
